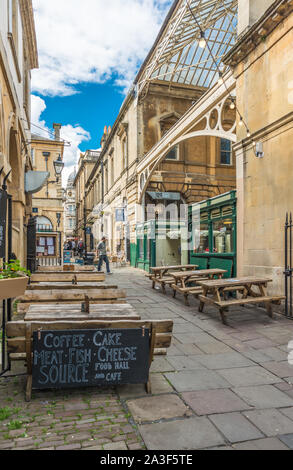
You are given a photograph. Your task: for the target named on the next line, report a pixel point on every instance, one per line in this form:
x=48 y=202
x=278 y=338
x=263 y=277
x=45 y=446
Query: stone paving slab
x=214 y=401
x=224 y=361
x=269 y=443
x=235 y=427
x=263 y=396
x=287 y=439
x=157 y=407
x=186 y=434
x=281 y=369
x=271 y=422
x=244 y=376
x=196 y=380
x=185 y=363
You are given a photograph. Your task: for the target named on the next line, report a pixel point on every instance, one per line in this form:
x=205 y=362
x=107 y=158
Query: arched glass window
x=44 y=224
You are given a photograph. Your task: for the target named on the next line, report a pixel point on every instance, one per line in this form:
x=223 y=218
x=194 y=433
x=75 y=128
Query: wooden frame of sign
x=100 y=325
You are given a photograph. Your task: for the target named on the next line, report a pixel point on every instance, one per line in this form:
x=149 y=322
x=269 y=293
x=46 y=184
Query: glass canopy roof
x=177 y=56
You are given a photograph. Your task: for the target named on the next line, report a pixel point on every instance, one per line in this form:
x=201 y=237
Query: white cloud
x=75 y=135
x=90 y=41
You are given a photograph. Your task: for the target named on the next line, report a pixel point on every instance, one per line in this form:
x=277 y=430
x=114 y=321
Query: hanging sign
x=83 y=358
x=120 y=215
x=3 y=219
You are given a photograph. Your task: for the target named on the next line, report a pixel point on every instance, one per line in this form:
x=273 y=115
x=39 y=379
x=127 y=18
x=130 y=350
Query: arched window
x=44 y=224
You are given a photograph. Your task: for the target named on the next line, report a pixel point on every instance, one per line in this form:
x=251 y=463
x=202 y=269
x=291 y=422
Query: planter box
x=11 y=288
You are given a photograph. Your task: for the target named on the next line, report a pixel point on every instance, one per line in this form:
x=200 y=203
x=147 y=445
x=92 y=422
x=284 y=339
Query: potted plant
x=13 y=280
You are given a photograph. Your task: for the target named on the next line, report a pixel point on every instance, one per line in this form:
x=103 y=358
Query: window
x=226 y=152
x=35 y=210
x=173 y=154
x=201 y=239
x=112 y=171
x=140 y=242
x=223 y=236
x=46 y=246
x=33 y=156
x=44 y=225
x=125 y=152
x=106 y=178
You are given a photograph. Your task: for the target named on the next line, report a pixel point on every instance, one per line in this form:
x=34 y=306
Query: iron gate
x=5 y=255
x=32 y=244
x=288 y=266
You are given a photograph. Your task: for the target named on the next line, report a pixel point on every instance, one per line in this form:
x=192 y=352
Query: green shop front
x=212 y=224
x=158 y=243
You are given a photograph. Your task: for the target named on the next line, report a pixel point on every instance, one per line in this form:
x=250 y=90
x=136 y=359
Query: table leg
x=186 y=300
x=223 y=316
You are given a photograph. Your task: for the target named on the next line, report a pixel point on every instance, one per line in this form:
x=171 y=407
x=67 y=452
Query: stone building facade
x=193 y=169
x=47 y=204
x=262 y=61
x=70 y=208
x=86 y=164
x=18 y=56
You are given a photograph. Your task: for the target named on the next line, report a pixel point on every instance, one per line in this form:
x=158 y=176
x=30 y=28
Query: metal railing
x=288 y=266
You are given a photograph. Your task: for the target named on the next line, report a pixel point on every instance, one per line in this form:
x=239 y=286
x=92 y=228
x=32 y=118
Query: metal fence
x=5 y=254
x=288 y=266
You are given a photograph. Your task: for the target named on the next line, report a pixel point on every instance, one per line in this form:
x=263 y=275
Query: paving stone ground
x=219 y=387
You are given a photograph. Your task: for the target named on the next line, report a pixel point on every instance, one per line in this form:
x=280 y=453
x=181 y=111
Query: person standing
x=102 y=254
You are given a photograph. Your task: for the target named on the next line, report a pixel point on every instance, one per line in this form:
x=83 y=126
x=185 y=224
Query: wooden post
x=151 y=356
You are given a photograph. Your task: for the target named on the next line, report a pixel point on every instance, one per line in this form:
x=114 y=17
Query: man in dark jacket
x=102 y=254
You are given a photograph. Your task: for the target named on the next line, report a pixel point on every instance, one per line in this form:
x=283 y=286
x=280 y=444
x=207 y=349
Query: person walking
x=102 y=254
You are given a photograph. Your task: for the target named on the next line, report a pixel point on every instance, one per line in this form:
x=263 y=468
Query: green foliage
x=15 y=424
x=12 y=270
x=6 y=412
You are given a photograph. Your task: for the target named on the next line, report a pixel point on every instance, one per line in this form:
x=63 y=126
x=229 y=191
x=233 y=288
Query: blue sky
x=92 y=107
x=89 y=54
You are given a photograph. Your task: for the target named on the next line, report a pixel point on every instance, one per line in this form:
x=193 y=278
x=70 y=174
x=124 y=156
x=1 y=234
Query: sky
x=89 y=54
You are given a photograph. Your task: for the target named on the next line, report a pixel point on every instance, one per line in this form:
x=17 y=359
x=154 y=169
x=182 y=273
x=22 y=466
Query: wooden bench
x=95 y=296
x=215 y=293
x=186 y=291
x=182 y=279
x=68 y=277
x=161 y=274
x=20 y=337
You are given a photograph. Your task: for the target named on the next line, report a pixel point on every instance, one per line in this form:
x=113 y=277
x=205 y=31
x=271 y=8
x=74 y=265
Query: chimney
x=249 y=12
x=57 y=128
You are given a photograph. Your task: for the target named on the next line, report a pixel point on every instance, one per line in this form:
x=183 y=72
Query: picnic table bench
x=63 y=276
x=161 y=274
x=182 y=279
x=60 y=312
x=216 y=292
x=20 y=337
x=63 y=296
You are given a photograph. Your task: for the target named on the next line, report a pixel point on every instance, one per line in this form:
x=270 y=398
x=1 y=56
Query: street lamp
x=58 y=167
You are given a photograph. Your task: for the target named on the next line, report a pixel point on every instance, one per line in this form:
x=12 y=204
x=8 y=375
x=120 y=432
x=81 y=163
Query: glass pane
x=148 y=245
x=140 y=249
x=223 y=237
x=201 y=239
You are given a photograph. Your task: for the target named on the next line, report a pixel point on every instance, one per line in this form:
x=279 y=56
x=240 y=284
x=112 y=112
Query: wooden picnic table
x=68 y=286
x=182 y=279
x=68 y=277
x=161 y=274
x=72 y=312
x=215 y=292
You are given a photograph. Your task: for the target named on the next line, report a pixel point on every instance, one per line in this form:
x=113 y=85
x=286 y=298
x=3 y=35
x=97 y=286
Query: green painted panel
x=202 y=263
x=222 y=263
x=133 y=249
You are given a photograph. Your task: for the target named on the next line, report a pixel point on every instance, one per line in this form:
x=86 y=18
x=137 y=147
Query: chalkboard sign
x=84 y=358
x=66 y=256
x=3 y=216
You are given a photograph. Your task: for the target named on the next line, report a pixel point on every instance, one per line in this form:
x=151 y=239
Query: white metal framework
x=177 y=56
x=208 y=110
